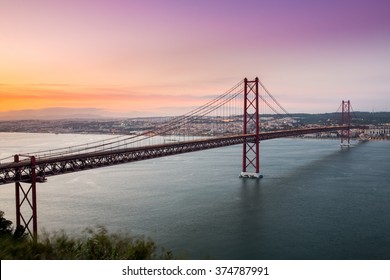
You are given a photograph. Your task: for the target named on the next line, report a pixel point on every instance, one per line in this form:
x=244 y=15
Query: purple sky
x=165 y=56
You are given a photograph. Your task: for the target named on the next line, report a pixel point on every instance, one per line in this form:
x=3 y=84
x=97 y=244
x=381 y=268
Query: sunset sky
x=140 y=57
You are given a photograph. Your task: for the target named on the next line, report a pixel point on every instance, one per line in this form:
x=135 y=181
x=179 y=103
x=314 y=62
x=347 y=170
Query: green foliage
x=95 y=244
x=101 y=245
x=5 y=225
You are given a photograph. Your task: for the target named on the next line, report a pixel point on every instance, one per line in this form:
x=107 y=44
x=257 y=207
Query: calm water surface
x=316 y=200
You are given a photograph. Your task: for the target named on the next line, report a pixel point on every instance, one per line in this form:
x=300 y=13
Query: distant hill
x=375 y=118
x=52 y=114
x=60 y=113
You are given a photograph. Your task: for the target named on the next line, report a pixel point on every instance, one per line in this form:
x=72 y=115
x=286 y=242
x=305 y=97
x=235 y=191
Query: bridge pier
x=251 y=149
x=26 y=200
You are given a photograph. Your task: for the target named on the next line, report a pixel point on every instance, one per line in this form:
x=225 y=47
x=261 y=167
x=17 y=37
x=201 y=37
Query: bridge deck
x=57 y=165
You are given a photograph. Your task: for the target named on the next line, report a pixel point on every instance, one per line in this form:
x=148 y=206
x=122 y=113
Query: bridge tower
x=345 y=121
x=251 y=152
x=26 y=200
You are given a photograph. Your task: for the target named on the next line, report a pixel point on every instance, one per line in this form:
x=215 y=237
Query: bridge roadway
x=57 y=165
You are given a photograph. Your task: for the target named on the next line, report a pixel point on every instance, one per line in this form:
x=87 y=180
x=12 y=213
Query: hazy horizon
x=58 y=113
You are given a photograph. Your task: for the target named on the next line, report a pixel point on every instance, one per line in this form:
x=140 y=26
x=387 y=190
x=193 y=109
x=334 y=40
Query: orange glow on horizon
x=110 y=99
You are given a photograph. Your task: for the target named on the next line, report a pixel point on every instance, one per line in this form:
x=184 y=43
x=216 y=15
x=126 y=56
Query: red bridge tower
x=345 y=121
x=251 y=152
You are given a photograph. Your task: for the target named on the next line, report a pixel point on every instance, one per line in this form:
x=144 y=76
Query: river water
x=316 y=200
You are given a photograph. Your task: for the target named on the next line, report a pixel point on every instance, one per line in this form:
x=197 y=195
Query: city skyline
x=137 y=58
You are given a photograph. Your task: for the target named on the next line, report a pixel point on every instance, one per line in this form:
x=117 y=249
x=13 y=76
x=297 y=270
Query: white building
x=376 y=131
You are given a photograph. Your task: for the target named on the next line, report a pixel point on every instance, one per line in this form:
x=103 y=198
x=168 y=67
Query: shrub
x=96 y=244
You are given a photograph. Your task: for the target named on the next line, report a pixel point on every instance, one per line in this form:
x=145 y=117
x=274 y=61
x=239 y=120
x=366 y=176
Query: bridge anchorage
x=236 y=114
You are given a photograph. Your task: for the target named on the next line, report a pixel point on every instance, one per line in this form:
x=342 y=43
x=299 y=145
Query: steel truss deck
x=51 y=166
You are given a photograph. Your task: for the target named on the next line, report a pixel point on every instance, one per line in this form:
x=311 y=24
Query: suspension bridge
x=232 y=118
